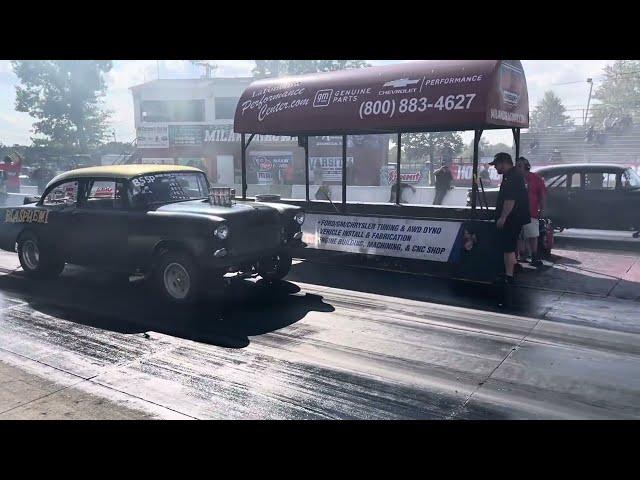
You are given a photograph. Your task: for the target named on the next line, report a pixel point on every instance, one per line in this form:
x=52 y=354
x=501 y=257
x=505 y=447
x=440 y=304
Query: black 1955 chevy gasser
x=158 y=220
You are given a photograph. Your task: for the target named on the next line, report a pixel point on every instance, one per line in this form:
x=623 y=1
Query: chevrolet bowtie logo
x=401 y=82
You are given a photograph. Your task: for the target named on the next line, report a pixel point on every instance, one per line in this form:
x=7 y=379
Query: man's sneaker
x=537 y=263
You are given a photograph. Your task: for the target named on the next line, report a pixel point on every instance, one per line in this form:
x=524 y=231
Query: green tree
x=619 y=92
x=486 y=149
x=65 y=97
x=549 y=112
x=276 y=68
x=419 y=146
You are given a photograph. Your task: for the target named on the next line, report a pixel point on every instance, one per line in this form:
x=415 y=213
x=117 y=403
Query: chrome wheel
x=31 y=254
x=177 y=281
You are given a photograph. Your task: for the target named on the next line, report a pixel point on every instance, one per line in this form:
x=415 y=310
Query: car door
x=61 y=200
x=595 y=205
x=629 y=199
x=557 y=184
x=100 y=223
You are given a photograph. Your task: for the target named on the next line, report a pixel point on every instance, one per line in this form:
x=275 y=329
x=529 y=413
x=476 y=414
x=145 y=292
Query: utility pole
x=586 y=115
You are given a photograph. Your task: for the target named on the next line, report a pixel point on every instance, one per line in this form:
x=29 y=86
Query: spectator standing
x=3 y=188
x=444 y=179
x=590 y=134
x=41 y=175
x=12 y=165
x=537 y=193
x=289 y=173
x=512 y=211
x=485 y=176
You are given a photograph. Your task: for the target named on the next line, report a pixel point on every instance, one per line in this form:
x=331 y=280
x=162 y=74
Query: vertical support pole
x=398 y=154
x=586 y=114
x=243 y=159
x=306 y=167
x=344 y=173
x=516 y=140
x=474 y=176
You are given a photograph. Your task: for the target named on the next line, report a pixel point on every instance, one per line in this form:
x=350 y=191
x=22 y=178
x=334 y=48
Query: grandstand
x=621 y=148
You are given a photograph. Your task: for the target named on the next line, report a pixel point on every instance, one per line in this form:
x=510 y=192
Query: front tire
x=276 y=267
x=177 y=278
x=37 y=262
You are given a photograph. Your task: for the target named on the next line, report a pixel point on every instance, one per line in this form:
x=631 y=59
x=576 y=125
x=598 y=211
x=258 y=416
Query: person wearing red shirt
x=12 y=166
x=537 y=191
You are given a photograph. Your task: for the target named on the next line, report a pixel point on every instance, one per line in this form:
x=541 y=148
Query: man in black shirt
x=485 y=176
x=512 y=210
x=444 y=178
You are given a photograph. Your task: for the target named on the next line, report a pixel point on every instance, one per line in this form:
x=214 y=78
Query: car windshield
x=630 y=179
x=168 y=187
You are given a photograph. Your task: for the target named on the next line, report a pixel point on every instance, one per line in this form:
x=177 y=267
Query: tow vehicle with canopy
x=421 y=96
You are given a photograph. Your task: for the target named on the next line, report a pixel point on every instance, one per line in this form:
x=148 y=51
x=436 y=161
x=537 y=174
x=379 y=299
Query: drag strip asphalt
x=332 y=343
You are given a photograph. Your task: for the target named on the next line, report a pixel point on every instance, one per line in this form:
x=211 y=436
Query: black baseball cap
x=501 y=157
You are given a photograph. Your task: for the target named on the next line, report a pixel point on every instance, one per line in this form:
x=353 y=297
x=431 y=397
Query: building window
x=172 y=111
x=226 y=107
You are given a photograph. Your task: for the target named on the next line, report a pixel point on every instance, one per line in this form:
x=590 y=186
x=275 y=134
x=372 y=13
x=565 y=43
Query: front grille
x=254 y=233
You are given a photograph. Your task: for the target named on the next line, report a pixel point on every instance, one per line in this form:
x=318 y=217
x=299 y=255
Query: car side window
x=66 y=192
x=576 y=180
x=103 y=194
x=556 y=181
x=600 y=181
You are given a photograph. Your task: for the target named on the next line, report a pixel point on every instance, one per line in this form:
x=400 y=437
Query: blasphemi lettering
x=26 y=216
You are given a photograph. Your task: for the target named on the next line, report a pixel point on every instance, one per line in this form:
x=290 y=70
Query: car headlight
x=299 y=218
x=221 y=232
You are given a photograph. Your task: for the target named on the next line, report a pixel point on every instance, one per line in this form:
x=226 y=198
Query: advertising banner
x=423 y=95
x=225 y=133
x=439 y=241
x=463 y=173
x=186 y=135
x=153 y=137
x=331 y=168
x=415 y=175
x=270 y=166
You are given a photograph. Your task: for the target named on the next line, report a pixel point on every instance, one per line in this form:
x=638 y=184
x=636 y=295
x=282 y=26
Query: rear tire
x=36 y=261
x=276 y=267
x=177 y=278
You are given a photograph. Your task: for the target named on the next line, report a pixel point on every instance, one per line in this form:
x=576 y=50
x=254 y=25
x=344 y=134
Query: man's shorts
x=508 y=238
x=530 y=230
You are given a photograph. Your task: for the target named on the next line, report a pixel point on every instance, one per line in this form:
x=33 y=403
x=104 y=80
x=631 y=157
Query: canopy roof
x=407 y=97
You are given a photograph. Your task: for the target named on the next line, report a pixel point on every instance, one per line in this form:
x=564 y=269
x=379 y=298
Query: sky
x=567 y=78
